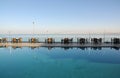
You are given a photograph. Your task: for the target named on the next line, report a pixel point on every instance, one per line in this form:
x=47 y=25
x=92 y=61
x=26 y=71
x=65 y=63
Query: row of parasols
x=64 y=40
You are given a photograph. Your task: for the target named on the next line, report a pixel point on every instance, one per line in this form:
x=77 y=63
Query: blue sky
x=60 y=16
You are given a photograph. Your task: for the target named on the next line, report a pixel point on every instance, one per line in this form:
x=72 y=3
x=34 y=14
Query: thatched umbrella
x=81 y=40
x=20 y=40
x=115 y=41
x=96 y=40
x=66 y=40
x=33 y=40
x=14 y=40
x=4 y=40
x=49 y=40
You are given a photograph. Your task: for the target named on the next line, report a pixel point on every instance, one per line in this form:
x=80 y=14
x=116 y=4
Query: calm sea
x=46 y=62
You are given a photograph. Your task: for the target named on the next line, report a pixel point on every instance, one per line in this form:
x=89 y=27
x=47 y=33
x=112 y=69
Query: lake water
x=59 y=62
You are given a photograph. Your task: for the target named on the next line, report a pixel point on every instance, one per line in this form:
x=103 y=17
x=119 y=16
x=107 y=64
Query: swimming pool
x=59 y=62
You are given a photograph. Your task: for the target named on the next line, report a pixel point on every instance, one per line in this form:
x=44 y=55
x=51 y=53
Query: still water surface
x=59 y=63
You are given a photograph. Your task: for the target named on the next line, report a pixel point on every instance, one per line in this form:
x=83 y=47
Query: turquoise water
x=58 y=62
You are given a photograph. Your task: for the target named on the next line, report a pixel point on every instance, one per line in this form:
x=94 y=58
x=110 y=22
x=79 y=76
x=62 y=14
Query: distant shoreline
x=65 y=34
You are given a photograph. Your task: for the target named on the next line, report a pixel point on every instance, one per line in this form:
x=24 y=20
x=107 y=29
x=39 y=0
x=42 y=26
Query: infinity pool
x=45 y=62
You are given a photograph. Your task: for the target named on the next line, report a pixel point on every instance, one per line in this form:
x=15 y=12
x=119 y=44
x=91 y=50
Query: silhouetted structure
x=67 y=40
x=33 y=40
x=82 y=40
x=20 y=40
x=3 y=40
x=115 y=41
x=0 y=40
x=49 y=40
x=16 y=40
x=96 y=40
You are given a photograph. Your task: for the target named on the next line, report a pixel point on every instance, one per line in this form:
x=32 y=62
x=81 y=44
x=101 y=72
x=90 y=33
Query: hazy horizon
x=59 y=16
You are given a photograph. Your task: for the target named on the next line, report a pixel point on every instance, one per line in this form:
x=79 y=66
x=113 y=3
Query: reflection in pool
x=56 y=62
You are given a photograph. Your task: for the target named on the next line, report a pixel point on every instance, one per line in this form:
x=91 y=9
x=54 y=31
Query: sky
x=59 y=16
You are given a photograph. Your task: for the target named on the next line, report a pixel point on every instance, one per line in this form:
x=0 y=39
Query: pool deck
x=58 y=45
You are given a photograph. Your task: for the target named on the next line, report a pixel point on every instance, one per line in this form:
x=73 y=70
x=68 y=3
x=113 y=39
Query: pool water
x=58 y=62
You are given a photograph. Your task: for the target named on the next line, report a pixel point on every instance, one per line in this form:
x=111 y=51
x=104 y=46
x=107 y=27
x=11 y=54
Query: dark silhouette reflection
x=4 y=46
x=96 y=48
x=50 y=48
x=67 y=48
x=15 y=47
x=116 y=48
x=33 y=47
x=82 y=48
